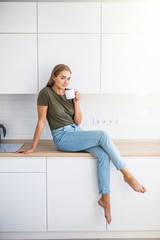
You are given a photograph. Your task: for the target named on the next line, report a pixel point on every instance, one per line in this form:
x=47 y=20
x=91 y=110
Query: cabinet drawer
x=16 y=17
x=67 y=17
x=131 y=17
x=24 y=164
x=13 y=48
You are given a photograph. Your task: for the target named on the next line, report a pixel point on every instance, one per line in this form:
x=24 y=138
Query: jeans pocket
x=78 y=128
x=57 y=137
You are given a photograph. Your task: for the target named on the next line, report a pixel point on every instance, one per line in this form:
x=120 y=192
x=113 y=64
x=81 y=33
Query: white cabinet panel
x=22 y=164
x=132 y=210
x=17 y=17
x=73 y=195
x=69 y=17
x=22 y=202
x=130 y=63
x=18 y=63
x=131 y=17
x=81 y=52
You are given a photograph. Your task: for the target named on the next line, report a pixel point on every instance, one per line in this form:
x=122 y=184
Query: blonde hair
x=55 y=72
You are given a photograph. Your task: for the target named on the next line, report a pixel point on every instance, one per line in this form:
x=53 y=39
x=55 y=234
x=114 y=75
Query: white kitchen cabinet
x=18 y=63
x=132 y=210
x=73 y=195
x=23 y=164
x=130 y=63
x=23 y=194
x=131 y=17
x=70 y=17
x=18 y=17
x=81 y=52
x=22 y=202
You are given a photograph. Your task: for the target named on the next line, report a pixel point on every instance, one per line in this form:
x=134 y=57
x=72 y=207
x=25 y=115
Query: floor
x=107 y=239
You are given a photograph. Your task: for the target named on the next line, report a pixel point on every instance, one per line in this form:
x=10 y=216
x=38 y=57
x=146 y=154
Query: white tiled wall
x=126 y=116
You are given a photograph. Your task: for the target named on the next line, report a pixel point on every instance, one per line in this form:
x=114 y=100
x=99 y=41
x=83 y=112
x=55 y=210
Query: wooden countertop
x=46 y=148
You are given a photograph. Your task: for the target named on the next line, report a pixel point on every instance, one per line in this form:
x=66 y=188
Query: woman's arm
x=78 y=113
x=42 y=113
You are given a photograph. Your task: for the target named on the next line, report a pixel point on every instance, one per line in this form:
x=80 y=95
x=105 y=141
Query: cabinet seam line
x=101 y=48
x=46 y=199
x=37 y=49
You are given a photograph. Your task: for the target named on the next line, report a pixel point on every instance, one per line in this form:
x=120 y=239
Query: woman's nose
x=66 y=81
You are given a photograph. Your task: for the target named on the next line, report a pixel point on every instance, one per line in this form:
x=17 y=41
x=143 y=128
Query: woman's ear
x=53 y=77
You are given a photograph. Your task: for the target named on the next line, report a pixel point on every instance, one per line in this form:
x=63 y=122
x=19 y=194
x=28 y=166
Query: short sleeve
x=42 y=99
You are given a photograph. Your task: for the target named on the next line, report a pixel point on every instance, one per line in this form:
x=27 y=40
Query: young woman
x=64 y=117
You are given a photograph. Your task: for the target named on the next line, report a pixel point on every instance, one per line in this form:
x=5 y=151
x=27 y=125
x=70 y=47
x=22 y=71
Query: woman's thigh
x=78 y=140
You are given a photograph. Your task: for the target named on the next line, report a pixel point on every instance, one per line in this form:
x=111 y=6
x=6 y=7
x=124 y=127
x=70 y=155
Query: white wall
x=127 y=115
x=138 y=116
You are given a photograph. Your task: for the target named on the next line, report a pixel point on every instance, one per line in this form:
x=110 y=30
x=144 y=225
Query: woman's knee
x=103 y=135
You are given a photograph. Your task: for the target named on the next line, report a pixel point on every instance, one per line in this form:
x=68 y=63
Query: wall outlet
x=105 y=122
x=96 y=122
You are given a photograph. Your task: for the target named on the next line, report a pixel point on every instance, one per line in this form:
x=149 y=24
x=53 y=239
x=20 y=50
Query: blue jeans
x=72 y=138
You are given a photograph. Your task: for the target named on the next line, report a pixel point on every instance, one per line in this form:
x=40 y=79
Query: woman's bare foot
x=133 y=183
x=104 y=202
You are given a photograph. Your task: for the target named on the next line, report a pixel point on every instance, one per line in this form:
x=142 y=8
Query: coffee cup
x=70 y=94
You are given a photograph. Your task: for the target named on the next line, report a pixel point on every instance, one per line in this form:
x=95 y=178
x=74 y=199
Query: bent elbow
x=42 y=122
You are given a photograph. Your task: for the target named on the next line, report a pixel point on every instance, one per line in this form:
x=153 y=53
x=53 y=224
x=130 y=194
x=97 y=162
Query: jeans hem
x=104 y=192
x=123 y=166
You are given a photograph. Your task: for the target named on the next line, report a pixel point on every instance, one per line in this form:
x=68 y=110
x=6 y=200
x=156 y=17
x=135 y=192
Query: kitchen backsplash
x=123 y=116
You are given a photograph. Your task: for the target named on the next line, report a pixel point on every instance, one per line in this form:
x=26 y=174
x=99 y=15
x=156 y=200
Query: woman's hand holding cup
x=73 y=94
x=77 y=96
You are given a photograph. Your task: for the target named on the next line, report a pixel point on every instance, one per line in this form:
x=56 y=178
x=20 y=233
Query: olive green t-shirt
x=60 y=110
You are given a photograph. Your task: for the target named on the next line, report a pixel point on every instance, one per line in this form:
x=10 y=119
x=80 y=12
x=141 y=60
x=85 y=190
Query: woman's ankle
x=106 y=197
x=125 y=172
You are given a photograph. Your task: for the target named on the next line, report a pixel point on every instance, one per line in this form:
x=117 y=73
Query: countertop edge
x=126 y=147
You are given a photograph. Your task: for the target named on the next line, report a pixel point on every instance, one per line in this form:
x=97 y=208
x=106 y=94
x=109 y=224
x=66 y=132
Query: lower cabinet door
x=73 y=195
x=132 y=210
x=22 y=202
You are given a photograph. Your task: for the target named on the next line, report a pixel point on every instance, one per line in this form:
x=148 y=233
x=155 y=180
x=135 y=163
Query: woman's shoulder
x=45 y=90
x=43 y=97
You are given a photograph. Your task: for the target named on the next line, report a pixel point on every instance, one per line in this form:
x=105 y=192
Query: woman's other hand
x=24 y=151
x=77 y=96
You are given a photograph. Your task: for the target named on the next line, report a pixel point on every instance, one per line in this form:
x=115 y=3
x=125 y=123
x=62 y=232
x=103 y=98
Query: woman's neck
x=58 y=90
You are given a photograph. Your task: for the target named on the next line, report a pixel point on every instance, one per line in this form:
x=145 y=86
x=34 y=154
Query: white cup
x=70 y=94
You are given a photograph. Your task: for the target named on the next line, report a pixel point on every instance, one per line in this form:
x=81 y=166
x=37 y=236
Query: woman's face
x=62 y=80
